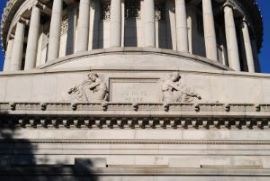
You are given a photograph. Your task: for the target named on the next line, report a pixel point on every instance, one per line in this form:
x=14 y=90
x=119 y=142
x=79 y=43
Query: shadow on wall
x=18 y=159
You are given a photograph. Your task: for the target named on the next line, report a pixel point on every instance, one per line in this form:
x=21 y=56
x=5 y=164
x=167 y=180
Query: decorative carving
x=175 y=91
x=105 y=10
x=160 y=11
x=64 y=26
x=132 y=9
x=91 y=90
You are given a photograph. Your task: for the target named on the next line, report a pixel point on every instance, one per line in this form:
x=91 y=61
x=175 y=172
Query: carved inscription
x=135 y=90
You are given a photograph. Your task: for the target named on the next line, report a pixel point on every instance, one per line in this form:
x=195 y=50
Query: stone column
x=55 y=30
x=149 y=23
x=248 y=47
x=209 y=30
x=8 y=55
x=171 y=28
x=189 y=26
x=115 y=33
x=32 y=43
x=181 y=26
x=91 y=25
x=231 y=37
x=17 y=51
x=255 y=55
x=83 y=26
x=123 y=23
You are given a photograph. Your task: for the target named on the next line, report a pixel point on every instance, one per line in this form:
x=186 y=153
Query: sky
x=264 y=53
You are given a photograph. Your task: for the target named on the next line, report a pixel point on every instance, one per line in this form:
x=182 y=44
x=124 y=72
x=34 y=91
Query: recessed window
x=105 y=10
x=132 y=8
x=160 y=11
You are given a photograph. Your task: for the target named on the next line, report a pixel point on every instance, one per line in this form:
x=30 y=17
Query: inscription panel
x=135 y=90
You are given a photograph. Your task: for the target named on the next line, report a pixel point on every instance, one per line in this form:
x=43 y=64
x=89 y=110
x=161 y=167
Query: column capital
x=24 y=21
x=244 y=20
x=44 y=8
x=11 y=36
x=228 y=4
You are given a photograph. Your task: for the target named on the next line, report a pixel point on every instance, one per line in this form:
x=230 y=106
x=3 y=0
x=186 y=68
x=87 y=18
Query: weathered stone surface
x=132 y=90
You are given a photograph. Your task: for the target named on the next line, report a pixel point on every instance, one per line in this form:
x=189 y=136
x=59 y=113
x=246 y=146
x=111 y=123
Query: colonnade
x=14 y=59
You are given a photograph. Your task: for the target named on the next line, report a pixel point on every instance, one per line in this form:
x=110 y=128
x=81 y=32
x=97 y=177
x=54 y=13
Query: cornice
x=135 y=116
x=231 y=172
x=136 y=141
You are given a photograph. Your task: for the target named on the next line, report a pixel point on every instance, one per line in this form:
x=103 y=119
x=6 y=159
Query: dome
x=184 y=30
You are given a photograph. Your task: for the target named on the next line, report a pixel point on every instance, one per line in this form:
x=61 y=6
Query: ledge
x=132 y=171
x=135 y=116
x=134 y=50
x=122 y=69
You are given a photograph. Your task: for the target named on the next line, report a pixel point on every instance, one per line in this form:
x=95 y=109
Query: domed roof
x=249 y=5
x=256 y=18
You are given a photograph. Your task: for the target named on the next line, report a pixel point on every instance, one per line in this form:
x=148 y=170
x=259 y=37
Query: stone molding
x=133 y=50
x=108 y=115
x=16 y=107
x=122 y=69
x=68 y=170
x=138 y=141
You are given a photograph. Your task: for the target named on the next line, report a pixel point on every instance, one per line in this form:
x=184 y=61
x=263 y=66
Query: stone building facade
x=133 y=90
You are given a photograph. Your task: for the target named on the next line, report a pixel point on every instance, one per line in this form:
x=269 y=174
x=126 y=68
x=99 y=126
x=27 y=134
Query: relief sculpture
x=94 y=89
x=174 y=91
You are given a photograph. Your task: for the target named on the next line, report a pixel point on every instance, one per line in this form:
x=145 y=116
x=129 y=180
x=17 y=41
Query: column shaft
x=83 y=26
x=189 y=25
x=55 y=30
x=231 y=37
x=248 y=48
x=92 y=20
x=17 y=51
x=149 y=23
x=8 y=56
x=115 y=33
x=171 y=28
x=32 y=43
x=181 y=26
x=209 y=30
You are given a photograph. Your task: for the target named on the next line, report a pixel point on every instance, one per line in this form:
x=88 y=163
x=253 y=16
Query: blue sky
x=265 y=51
